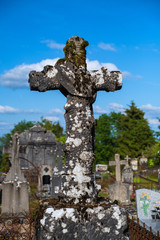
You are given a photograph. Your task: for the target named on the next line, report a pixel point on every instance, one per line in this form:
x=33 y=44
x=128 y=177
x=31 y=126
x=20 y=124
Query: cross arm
x=48 y=79
x=112 y=163
x=105 y=80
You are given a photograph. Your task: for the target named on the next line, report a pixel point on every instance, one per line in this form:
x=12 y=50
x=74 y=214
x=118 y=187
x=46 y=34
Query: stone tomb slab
x=148 y=208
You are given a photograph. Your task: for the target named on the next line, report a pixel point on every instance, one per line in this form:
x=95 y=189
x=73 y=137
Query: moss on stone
x=75 y=52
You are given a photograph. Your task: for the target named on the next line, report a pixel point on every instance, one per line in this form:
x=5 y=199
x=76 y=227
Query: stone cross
x=118 y=164
x=80 y=87
x=15 y=197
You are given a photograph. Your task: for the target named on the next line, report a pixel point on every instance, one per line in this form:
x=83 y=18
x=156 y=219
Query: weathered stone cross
x=118 y=164
x=80 y=87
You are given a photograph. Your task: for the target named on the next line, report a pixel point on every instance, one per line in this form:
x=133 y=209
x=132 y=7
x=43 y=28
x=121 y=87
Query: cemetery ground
x=13 y=228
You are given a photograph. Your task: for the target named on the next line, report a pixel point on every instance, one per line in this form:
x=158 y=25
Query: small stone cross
x=80 y=87
x=118 y=164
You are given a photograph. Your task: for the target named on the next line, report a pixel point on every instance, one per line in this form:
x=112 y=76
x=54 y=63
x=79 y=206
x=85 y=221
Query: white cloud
x=8 y=109
x=18 y=76
x=52 y=44
x=153 y=121
x=4 y=124
x=150 y=107
x=56 y=110
x=107 y=46
x=116 y=107
x=50 y=118
x=129 y=76
x=96 y=65
x=98 y=109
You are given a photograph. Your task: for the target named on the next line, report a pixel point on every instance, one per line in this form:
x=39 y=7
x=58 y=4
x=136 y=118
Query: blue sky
x=122 y=35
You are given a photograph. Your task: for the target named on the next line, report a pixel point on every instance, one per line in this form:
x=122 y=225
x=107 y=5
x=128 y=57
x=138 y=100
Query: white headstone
x=148 y=207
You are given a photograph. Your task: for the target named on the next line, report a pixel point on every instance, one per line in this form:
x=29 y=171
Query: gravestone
x=118 y=164
x=143 y=160
x=127 y=176
x=78 y=185
x=80 y=87
x=119 y=191
x=148 y=208
x=127 y=173
x=15 y=196
x=134 y=164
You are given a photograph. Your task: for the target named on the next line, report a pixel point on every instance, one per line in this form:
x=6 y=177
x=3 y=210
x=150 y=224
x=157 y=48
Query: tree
x=4 y=163
x=134 y=133
x=19 y=127
x=106 y=137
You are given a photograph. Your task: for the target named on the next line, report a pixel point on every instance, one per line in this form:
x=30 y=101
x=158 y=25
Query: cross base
x=94 y=222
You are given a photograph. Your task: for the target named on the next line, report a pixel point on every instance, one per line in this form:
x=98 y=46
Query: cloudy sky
x=122 y=35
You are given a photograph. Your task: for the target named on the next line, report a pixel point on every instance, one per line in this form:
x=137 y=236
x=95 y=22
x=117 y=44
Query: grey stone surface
x=148 y=208
x=80 y=87
x=118 y=164
x=15 y=196
x=127 y=174
x=119 y=191
x=37 y=147
x=134 y=164
x=83 y=223
x=143 y=160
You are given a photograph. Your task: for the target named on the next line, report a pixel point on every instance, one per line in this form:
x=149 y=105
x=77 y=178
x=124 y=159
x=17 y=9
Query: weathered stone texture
x=37 y=147
x=80 y=87
x=119 y=191
x=15 y=195
x=84 y=223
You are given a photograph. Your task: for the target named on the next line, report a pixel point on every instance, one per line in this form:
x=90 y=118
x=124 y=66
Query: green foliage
x=155 y=154
x=126 y=134
x=106 y=137
x=53 y=127
x=151 y=162
x=4 y=163
x=134 y=133
x=21 y=126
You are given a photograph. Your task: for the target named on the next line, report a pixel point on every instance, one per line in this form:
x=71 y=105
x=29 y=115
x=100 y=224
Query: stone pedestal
x=87 y=223
x=119 y=191
x=15 y=198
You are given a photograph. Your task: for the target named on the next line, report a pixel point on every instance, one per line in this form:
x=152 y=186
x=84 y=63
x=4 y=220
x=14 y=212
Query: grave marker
x=118 y=164
x=148 y=208
x=15 y=196
x=119 y=191
x=80 y=87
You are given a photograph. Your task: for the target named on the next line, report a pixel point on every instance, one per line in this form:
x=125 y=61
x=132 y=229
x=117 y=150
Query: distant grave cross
x=80 y=87
x=118 y=164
